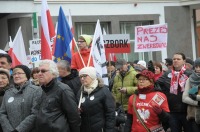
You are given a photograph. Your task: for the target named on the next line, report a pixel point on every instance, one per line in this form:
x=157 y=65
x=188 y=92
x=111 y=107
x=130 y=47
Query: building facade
x=116 y=17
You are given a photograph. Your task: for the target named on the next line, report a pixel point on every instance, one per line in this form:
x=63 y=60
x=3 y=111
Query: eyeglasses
x=43 y=71
x=142 y=79
x=84 y=76
x=18 y=73
x=81 y=41
x=3 y=78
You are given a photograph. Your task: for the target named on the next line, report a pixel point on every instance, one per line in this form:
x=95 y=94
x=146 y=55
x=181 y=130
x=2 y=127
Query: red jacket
x=77 y=62
x=144 y=103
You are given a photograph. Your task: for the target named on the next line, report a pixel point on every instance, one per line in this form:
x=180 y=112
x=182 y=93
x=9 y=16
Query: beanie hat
x=146 y=73
x=189 y=60
x=26 y=70
x=5 y=71
x=143 y=63
x=90 y=71
x=87 y=38
x=197 y=62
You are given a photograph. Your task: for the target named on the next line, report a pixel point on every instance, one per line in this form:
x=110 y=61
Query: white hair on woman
x=52 y=66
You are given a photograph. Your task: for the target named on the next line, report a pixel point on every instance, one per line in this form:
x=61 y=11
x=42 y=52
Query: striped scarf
x=178 y=78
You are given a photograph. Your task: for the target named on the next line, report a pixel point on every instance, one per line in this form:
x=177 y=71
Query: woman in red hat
x=148 y=107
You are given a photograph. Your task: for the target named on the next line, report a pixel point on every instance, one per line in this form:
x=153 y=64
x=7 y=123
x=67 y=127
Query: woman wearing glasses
x=80 y=58
x=147 y=108
x=4 y=84
x=17 y=112
x=96 y=103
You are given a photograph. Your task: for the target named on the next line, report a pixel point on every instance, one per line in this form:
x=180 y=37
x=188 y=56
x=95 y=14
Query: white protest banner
x=35 y=50
x=151 y=38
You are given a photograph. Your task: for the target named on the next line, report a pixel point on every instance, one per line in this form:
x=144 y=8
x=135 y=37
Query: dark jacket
x=111 y=79
x=2 y=92
x=174 y=101
x=97 y=111
x=73 y=81
x=58 y=109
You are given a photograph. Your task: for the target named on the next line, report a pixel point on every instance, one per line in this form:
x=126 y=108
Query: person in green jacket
x=125 y=83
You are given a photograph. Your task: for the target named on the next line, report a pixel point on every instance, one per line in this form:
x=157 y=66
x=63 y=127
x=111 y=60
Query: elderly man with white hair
x=58 y=110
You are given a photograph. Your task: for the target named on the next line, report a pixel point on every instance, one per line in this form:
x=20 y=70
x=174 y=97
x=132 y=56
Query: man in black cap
x=168 y=63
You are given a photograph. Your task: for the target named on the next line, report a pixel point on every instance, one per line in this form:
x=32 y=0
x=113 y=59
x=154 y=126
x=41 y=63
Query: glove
x=193 y=96
x=157 y=109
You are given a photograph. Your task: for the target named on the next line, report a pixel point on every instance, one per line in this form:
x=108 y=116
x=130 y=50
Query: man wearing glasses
x=58 y=110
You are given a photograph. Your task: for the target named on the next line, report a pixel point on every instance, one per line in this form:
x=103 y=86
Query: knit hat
x=137 y=68
x=197 y=62
x=87 y=38
x=90 y=71
x=143 y=63
x=5 y=71
x=26 y=70
x=119 y=63
x=189 y=60
x=146 y=73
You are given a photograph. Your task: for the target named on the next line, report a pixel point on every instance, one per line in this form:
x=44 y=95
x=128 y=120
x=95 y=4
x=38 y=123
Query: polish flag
x=73 y=42
x=17 y=50
x=47 y=33
x=110 y=56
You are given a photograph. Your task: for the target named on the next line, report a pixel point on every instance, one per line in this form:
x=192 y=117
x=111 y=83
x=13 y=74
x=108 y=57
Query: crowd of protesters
x=62 y=97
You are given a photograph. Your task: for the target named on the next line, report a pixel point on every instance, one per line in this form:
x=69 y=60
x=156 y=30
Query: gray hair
x=64 y=64
x=52 y=66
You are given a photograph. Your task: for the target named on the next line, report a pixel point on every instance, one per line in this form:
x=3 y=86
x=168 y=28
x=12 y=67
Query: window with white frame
x=129 y=28
x=89 y=28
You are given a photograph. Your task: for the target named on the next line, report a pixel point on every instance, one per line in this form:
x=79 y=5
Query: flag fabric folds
x=98 y=54
x=73 y=42
x=47 y=32
x=17 y=50
x=63 y=39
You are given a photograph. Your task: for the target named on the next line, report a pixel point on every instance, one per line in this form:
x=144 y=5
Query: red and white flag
x=110 y=56
x=47 y=33
x=73 y=42
x=17 y=50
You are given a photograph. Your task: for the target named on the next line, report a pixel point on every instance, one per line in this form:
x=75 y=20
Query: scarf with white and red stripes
x=178 y=78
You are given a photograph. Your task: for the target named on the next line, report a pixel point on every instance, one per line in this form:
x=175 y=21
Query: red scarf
x=145 y=90
x=178 y=78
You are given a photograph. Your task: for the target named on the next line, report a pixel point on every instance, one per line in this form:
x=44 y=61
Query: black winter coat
x=73 y=81
x=58 y=109
x=174 y=101
x=97 y=111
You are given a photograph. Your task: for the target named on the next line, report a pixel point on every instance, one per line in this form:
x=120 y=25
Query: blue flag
x=63 y=39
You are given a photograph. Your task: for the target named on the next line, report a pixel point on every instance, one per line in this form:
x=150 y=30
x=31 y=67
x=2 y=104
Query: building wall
x=179 y=34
